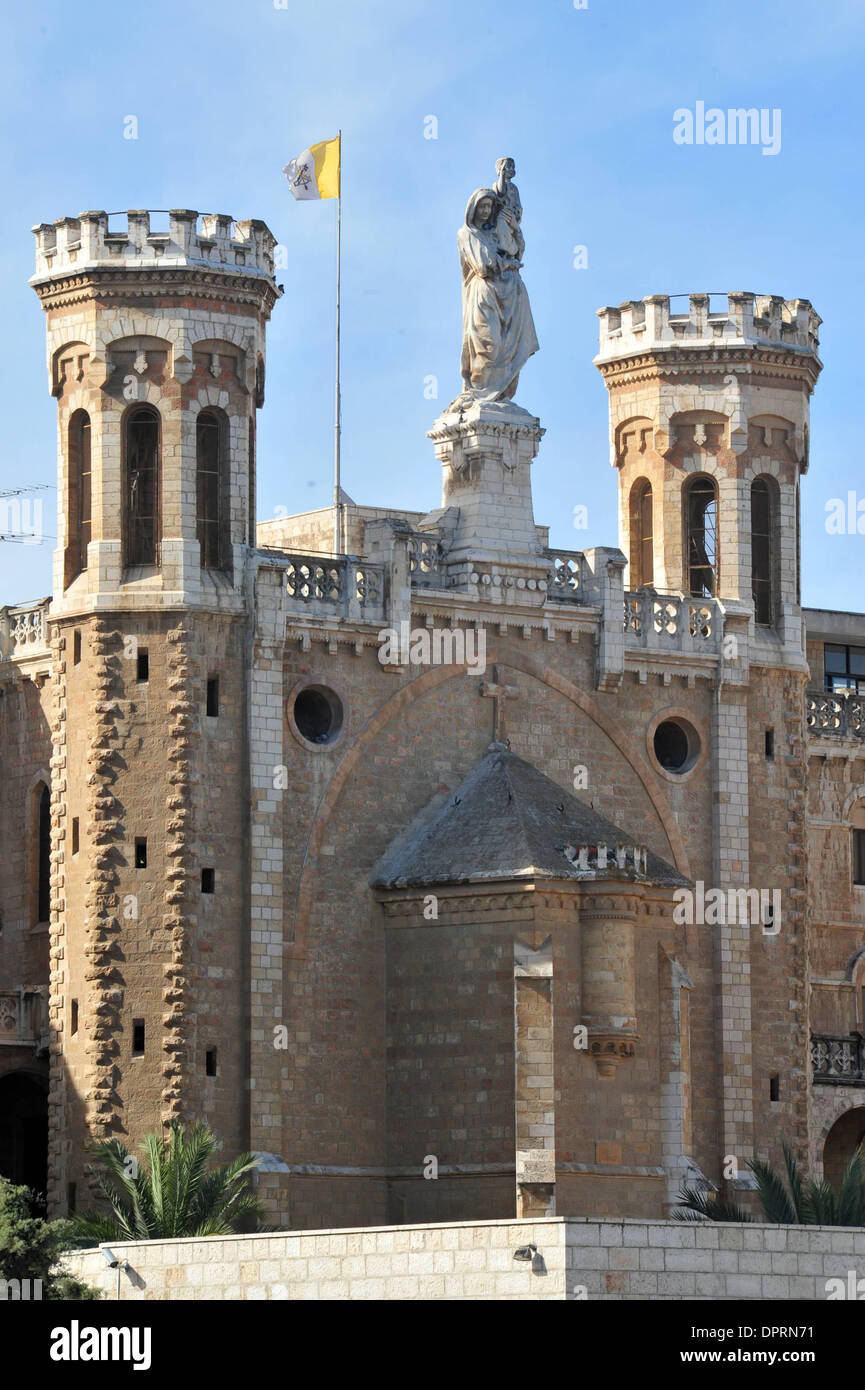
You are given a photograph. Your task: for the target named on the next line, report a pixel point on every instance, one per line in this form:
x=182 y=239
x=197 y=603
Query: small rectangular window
x=210 y=1062
x=73 y=1017
x=75 y=835
x=859 y=857
x=141 y=853
x=774 y=1088
x=208 y=880
x=138 y=1037
x=71 y=1195
x=143 y=665
x=770 y=744
x=76 y=647
x=844 y=669
x=213 y=696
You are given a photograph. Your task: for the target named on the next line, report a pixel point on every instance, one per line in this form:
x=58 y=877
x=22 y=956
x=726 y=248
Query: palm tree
x=802 y=1202
x=172 y=1193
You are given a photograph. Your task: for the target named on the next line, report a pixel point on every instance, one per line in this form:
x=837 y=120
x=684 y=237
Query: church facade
x=454 y=875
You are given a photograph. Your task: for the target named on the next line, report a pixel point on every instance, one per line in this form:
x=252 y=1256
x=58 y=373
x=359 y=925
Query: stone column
x=535 y=1124
x=609 y=1010
x=674 y=1046
x=731 y=869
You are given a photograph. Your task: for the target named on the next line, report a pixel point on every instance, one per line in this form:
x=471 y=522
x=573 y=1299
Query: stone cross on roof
x=498 y=692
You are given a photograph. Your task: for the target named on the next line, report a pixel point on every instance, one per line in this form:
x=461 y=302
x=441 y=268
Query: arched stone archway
x=24 y=1131
x=847 y=1131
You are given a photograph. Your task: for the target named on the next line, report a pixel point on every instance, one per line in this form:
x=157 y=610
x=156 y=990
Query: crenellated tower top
x=759 y=320
x=709 y=433
x=212 y=241
x=156 y=358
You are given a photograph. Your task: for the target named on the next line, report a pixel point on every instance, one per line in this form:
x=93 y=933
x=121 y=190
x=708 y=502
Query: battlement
x=761 y=320
x=214 y=241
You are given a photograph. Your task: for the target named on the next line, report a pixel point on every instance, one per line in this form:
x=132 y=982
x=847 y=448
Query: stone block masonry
x=574 y=1260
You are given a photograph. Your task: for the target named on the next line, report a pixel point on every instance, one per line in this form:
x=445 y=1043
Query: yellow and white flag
x=315 y=173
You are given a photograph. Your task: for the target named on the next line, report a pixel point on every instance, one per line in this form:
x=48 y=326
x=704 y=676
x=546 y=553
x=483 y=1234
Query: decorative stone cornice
x=155 y=283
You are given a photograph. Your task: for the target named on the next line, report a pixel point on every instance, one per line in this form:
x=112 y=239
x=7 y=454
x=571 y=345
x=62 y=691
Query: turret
x=709 y=414
x=156 y=358
x=156 y=349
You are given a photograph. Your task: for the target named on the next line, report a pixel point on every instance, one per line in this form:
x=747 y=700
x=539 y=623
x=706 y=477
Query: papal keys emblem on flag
x=315 y=172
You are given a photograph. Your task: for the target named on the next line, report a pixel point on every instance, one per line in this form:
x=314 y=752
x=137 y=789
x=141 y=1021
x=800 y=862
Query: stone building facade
x=458 y=877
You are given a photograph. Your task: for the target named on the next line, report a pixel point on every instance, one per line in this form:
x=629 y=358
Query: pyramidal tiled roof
x=508 y=820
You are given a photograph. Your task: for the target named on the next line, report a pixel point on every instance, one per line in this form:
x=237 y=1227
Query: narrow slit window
x=76 y=835
x=208 y=880
x=761 y=553
x=642 y=543
x=210 y=1062
x=701 y=519
x=770 y=744
x=73 y=1017
x=141 y=486
x=774 y=1088
x=76 y=647
x=141 y=853
x=143 y=664
x=213 y=696
x=859 y=858
x=138 y=1036
x=79 y=495
x=212 y=507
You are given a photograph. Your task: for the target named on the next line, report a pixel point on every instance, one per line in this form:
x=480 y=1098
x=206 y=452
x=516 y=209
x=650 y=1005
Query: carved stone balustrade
x=833 y=715
x=838 y=1061
x=425 y=552
x=567 y=580
x=24 y=631
x=672 y=622
x=335 y=587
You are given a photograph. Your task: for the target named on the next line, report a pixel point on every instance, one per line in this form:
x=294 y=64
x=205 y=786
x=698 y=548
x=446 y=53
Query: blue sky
x=225 y=93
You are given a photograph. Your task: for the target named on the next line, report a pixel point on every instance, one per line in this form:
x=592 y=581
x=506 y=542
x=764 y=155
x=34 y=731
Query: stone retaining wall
x=475 y=1260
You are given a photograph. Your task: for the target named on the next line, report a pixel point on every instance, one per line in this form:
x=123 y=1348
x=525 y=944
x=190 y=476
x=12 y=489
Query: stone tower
x=709 y=415
x=156 y=348
x=709 y=433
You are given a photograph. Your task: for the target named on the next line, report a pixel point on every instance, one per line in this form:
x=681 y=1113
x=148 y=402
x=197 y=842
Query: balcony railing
x=425 y=552
x=838 y=1061
x=24 y=1018
x=341 y=586
x=24 y=630
x=835 y=715
x=672 y=623
x=567 y=575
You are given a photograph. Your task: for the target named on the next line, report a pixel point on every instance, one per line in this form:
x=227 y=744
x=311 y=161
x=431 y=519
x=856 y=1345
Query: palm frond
x=173 y=1192
x=774 y=1197
x=695 y=1204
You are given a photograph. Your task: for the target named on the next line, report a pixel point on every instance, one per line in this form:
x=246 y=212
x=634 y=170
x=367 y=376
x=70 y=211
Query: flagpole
x=337 y=499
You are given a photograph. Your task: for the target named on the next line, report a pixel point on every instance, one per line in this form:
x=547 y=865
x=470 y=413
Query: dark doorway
x=846 y=1133
x=24 y=1133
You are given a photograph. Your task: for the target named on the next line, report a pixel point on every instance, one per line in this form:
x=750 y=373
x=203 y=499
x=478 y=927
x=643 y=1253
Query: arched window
x=642 y=570
x=701 y=536
x=762 y=552
x=78 y=502
x=857 y=825
x=212 y=492
x=43 y=857
x=141 y=486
